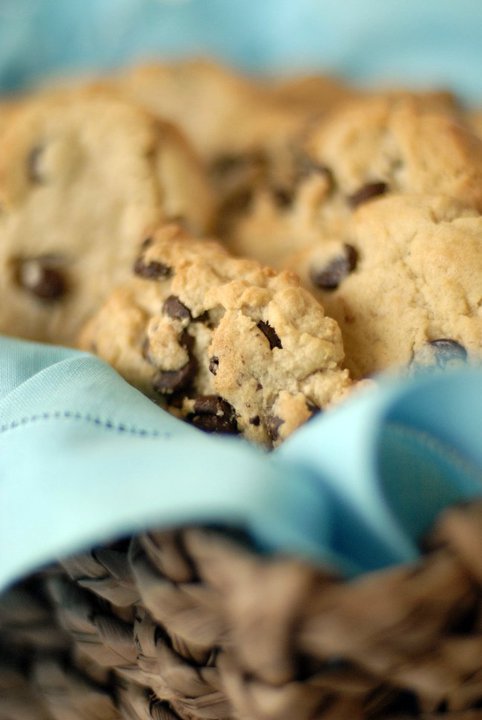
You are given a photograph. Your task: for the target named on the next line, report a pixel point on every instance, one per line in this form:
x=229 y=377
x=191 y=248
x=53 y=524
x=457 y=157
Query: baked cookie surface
x=81 y=179
x=228 y=344
x=239 y=125
x=403 y=283
x=368 y=148
x=223 y=112
x=408 y=144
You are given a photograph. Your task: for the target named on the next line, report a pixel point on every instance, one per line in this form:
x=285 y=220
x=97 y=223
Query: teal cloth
x=419 y=42
x=85 y=458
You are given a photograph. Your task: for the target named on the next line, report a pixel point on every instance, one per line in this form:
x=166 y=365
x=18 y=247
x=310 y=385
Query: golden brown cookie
x=223 y=342
x=82 y=179
x=241 y=129
x=474 y=119
x=313 y=93
x=321 y=93
x=367 y=149
x=222 y=112
x=403 y=283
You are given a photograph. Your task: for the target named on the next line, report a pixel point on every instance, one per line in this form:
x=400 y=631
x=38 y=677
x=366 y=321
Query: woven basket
x=193 y=624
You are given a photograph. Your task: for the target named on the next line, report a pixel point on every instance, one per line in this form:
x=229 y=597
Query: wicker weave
x=192 y=624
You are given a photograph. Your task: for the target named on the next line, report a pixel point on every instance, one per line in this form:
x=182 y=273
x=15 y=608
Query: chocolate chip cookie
x=404 y=283
x=226 y=114
x=225 y=343
x=391 y=144
x=474 y=118
x=321 y=93
x=365 y=150
x=239 y=126
x=81 y=178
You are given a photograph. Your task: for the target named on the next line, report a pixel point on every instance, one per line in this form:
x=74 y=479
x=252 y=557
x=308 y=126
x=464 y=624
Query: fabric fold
x=394 y=458
x=86 y=459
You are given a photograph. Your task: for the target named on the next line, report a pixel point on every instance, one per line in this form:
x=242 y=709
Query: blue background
x=421 y=42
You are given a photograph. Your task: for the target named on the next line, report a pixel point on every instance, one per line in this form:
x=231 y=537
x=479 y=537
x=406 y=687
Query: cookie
x=225 y=117
x=365 y=150
x=225 y=343
x=240 y=128
x=401 y=144
x=82 y=177
x=320 y=93
x=314 y=93
x=251 y=133
x=474 y=119
x=7 y=108
x=208 y=101
x=403 y=283
x=222 y=112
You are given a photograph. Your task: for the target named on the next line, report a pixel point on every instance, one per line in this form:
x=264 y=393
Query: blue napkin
x=85 y=458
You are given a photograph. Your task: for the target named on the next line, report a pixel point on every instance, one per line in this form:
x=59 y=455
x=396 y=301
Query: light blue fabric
x=434 y=41
x=85 y=458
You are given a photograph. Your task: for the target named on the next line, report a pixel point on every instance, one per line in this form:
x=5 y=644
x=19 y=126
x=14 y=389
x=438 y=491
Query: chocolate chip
x=213 y=364
x=313 y=409
x=238 y=201
x=40 y=278
x=255 y=421
x=152 y=270
x=270 y=334
x=283 y=197
x=448 y=351
x=227 y=164
x=34 y=169
x=176 y=309
x=210 y=405
x=214 y=415
x=273 y=424
x=176 y=399
x=206 y=319
x=186 y=340
x=178 y=220
x=367 y=192
x=330 y=276
x=169 y=381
